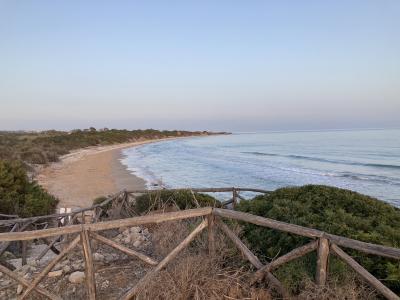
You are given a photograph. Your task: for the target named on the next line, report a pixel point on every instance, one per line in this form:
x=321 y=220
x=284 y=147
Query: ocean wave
x=311 y=158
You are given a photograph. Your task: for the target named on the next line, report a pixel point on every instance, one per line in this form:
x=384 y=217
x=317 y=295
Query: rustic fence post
x=234 y=197
x=211 y=235
x=89 y=268
x=322 y=262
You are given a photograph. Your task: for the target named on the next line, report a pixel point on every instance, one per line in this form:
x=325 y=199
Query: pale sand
x=83 y=175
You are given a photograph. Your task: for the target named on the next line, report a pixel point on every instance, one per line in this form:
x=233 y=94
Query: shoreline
x=85 y=174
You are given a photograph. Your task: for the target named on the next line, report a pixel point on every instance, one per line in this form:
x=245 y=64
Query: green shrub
x=20 y=196
x=337 y=211
x=46 y=146
x=182 y=199
x=100 y=200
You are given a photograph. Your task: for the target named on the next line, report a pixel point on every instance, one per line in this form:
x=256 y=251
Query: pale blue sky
x=217 y=65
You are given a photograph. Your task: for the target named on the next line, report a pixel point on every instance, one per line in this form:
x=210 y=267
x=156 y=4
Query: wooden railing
x=212 y=218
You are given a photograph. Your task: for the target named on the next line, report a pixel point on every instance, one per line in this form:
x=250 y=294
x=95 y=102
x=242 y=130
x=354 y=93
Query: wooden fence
x=212 y=218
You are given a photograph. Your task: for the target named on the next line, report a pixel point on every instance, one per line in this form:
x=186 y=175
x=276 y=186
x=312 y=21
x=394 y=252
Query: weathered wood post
x=234 y=197
x=89 y=267
x=322 y=262
x=211 y=235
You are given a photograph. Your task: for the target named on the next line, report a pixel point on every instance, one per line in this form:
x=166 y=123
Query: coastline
x=85 y=174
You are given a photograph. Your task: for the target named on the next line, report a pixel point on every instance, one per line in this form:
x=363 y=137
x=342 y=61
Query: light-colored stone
x=108 y=258
x=76 y=277
x=105 y=284
x=137 y=243
x=33 y=263
x=98 y=257
x=127 y=239
x=55 y=273
x=134 y=236
x=135 y=229
x=67 y=269
x=19 y=289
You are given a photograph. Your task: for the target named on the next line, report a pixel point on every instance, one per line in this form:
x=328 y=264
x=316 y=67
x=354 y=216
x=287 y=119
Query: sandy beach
x=83 y=175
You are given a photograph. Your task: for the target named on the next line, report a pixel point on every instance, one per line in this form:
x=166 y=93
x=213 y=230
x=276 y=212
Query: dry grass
x=193 y=275
x=198 y=277
x=354 y=289
x=166 y=236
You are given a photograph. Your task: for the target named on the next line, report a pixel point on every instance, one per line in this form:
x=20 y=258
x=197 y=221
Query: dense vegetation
x=20 y=196
x=48 y=146
x=181 y=199
x=330 y=209
x=20 y=150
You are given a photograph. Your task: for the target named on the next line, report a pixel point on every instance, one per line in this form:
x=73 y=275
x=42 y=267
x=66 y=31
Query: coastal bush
x=20 y=196
x=337 y=211
x=181 y=199
x=47 y=146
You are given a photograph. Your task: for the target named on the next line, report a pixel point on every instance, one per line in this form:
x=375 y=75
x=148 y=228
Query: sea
x=366 y=161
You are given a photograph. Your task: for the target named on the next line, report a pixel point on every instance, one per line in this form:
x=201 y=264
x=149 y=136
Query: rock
x=67 y=269
x=137 y=243
x=76 y=277
x=98 y=257
x=127 y=239
x=19 y=289
x=33 y=263
x=126 y=232
x=105 y=284
x=145 y=231
x=135 y=229
x=108 y=258
x=135 y=236
x=55 y=273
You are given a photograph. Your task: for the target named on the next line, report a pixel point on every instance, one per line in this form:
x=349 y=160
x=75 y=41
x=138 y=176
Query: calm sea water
x=366 y=161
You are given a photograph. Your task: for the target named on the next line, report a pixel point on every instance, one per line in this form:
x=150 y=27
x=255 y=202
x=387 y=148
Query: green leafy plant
x=20 y=196
x=337 y=211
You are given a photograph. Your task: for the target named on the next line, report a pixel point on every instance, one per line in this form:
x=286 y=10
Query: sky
x=200 y=65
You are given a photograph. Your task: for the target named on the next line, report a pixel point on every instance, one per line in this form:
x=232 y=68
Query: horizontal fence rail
x=212 y=218
x=233 y=190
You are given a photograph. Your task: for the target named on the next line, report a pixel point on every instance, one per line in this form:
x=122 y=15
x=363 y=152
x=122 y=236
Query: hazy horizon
x=226 y=66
